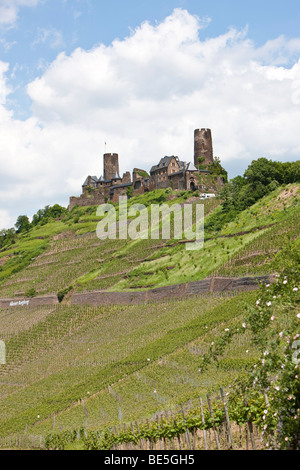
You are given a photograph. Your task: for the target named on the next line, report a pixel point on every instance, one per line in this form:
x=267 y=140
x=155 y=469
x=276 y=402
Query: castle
x=169 y=172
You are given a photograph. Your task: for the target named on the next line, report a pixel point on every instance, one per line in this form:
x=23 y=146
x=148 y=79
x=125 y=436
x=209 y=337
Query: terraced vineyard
x=73 y=257
x=74 y=367
x=95 y=366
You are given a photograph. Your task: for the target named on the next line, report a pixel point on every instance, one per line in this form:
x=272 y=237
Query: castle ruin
x=170 y=172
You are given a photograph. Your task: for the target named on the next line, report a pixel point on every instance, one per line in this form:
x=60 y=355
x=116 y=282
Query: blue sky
x=141 y=75
x=53 y=26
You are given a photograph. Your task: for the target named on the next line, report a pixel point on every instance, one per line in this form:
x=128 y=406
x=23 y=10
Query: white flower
x=266 y=353
x=274 y=296
x=244 y=325
x=226 y=329
x=265 y=412
x=272 y=318
x=258 y=302
x=212 y=343
x=268 y=285
x=269 y=304
x=286 y=438
x=285 y=281
x=281 y=334
x=295 y=289
x=247 y=351
x=298 y=316
x=148 y=359
x=277 y=388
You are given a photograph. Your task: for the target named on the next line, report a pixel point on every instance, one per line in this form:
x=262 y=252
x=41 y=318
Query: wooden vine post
x=227 y=419
x=213 y=422
x=203 y=422
x=187 y=430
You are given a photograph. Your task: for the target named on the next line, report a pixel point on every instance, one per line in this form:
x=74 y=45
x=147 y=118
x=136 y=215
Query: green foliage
x=216 y=169
x=22 y=224
x=261 y=177
x=106 y=439
x=31 y=292
x=43 y=215
x=143 y=174
x=270 y=394
x=7 y=237
x=129 y=191
x=62 y=293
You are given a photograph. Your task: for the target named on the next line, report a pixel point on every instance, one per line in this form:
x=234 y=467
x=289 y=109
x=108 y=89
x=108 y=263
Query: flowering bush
x=269 y=394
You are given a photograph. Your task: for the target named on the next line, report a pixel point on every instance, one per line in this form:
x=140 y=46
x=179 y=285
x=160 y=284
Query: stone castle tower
x=203 y=146
x=170 y=172
x=110 y=166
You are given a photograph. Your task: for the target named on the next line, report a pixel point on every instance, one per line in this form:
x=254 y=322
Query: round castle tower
x=203 y=147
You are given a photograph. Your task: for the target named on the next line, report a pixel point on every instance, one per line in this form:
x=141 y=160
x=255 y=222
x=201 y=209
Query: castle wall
x=93 y=198
x=126 y=178
x=177 y=182
x=164 y=175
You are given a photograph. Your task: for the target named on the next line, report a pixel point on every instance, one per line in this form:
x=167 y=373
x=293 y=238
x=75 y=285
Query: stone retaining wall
x=34 y=301
x=191 y=289
x=170 y=292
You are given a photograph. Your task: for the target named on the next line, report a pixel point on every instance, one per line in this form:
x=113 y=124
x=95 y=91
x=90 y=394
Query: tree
x=22 y=224
x=263 y=171
x=7 y=237
x=43 y=215
x=216 y=169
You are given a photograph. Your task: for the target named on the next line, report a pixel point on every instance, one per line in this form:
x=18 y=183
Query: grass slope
x=67 y=253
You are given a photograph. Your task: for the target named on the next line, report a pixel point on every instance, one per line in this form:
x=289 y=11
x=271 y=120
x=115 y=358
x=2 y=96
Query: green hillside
x=67 y=253
x=80 y=367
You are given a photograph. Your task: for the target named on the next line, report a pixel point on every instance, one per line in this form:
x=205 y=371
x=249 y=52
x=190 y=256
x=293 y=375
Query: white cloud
x=6 y=221
x=9 y=10
x=144 y=96
x=52 y=36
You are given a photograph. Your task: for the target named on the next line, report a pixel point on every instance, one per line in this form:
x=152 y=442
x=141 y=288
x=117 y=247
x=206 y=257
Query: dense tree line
x=261 y=177
x=23 y=224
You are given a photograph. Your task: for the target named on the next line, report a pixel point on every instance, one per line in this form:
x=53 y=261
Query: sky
x=140 y=76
